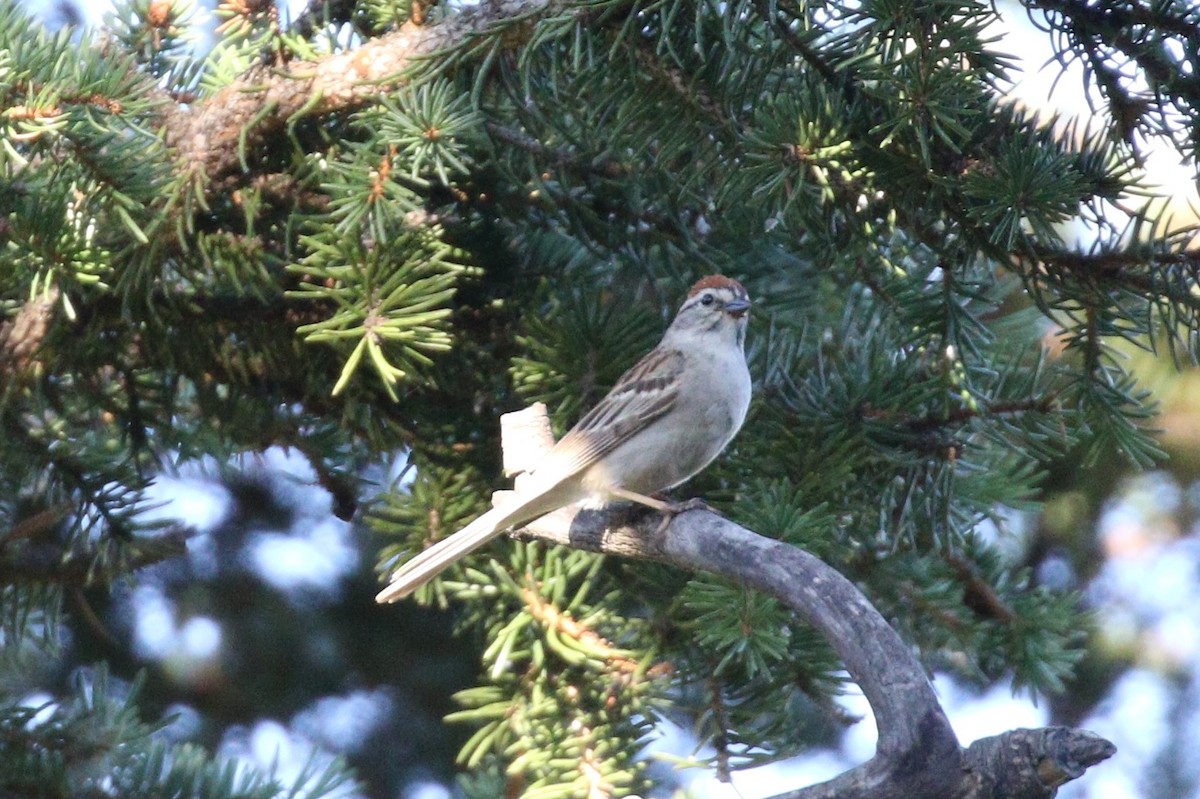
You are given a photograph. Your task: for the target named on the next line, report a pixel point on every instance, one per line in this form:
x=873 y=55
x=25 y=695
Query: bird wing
x=643 y=394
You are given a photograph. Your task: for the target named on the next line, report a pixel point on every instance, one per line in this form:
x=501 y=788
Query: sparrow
x=665 y=420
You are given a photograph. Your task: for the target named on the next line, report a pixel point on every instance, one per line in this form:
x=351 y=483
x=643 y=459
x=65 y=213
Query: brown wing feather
x=643 y=394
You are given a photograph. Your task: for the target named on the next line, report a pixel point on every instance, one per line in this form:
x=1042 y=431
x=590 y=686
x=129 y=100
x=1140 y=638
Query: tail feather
x=518 y=510
x=430 y=562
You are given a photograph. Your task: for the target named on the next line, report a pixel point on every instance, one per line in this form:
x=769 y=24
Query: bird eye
x=707 y=299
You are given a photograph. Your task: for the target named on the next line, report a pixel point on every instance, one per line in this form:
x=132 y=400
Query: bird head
x=714 y=304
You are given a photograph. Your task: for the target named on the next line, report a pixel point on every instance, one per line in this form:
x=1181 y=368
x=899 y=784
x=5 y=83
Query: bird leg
x=641 y=499
x=669 y=510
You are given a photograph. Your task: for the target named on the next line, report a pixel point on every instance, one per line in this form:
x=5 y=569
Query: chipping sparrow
x=664 y=421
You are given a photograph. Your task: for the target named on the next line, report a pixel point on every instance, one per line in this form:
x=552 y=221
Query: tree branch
x=48 y=561
x=1111 y=36
x=917 y=753
x=212 y=136
x=557 y=156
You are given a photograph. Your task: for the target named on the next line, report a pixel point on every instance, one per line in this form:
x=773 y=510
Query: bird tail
x=430 y=562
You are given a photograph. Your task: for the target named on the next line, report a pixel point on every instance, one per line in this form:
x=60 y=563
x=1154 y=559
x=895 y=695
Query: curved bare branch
x=917 y=753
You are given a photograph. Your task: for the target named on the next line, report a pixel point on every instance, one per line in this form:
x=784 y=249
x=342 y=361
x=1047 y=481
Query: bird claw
x=673 y=509
x=669 y=510
x=695 y=503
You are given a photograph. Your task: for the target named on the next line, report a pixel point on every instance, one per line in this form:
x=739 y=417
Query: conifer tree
x=374 y=228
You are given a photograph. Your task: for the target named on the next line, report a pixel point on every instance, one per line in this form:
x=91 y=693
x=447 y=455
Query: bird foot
x=672 y=509
x=669 y=510
x=695 y=503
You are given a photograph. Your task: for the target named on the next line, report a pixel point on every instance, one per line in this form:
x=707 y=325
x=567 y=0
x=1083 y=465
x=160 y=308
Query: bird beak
x=737 y=308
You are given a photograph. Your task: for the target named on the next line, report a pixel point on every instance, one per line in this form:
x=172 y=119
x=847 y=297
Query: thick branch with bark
x=917 y=754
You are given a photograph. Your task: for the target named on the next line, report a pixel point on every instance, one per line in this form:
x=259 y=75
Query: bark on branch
x=917 y=754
